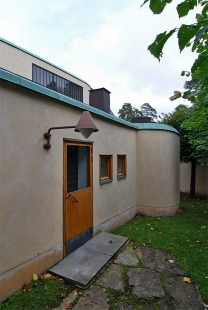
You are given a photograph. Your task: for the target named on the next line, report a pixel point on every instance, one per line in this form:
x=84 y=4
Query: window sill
x=105 y=181
x=121 y=177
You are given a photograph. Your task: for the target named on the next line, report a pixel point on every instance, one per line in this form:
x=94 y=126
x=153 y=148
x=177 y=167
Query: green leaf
x=157 y=6
x=189 y=44
x=185 y=34
x=157 y=46
x=205 y=9
x=184 y=7
x=201 y=18
x=144 y=3
x=200 y=64
x=199 y=33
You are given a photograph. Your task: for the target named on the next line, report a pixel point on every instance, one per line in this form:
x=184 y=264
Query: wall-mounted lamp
x=85 y=125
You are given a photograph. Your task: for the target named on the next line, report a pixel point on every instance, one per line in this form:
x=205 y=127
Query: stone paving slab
x=112 y=278
x=123 y=306
x=127 y=257
x=184 y=295
x=68 y=300
x=159 y=260
x=81 y=266
x=162 y=305
x=94 y=299
x=145 y=283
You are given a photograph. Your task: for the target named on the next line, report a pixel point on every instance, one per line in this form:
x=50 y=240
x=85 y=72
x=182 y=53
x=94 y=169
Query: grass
x=185 y=235
x=39 y=294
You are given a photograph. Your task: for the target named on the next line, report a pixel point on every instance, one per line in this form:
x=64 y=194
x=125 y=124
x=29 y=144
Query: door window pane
x=72 y=168
x=77 y=168
x=83 y=167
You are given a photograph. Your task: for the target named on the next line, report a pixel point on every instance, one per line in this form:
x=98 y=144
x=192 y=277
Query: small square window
x=121 y=166
x=106 y=168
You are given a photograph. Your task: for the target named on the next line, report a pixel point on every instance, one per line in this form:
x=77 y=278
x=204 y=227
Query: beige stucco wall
x=31 y=182
x=201 y=186
x=157 y=172
x=118 y=196
x=32 y=177
x=20 y=62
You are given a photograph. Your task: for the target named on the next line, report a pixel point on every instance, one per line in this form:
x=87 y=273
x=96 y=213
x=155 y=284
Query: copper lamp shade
x=86 y=125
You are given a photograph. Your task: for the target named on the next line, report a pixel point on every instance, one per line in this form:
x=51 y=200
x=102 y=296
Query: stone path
x=141 y=278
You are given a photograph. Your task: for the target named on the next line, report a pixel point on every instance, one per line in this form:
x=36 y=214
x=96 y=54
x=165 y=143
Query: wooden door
x=77 y=195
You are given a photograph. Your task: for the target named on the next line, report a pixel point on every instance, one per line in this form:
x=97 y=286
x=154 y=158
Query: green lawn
x=185 y=235
x=40 y=294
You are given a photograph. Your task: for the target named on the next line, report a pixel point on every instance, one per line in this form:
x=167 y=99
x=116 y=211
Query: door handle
x=74 y=199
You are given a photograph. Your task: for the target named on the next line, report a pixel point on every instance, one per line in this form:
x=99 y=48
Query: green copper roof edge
x=146 y=126
x=13 y=78
x=42 y=59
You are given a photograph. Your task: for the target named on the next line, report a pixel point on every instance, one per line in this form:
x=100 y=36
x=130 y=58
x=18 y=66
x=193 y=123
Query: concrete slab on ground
x=81 y=266
x=106 y=243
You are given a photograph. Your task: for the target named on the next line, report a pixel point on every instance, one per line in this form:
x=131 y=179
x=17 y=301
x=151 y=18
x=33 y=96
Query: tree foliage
x=127 y=112
x=148 y=111
x=194 y=36
x=189 y=152
x=176 y=119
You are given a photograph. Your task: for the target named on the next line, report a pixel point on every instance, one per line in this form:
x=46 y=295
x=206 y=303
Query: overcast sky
x=104 y=42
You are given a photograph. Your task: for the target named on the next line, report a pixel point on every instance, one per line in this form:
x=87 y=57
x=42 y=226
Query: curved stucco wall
x=158 y=162
x=31 y=180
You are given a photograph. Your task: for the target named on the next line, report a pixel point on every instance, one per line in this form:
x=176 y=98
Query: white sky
x=104 y=42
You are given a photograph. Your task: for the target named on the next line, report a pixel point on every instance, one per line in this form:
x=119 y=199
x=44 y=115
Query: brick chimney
x=100 y=99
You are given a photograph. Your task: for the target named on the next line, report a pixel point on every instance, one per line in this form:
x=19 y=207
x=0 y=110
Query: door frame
x=74 y=142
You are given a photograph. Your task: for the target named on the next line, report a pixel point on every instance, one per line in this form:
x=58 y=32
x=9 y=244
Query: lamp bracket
x=47 y=135
x=85 y=126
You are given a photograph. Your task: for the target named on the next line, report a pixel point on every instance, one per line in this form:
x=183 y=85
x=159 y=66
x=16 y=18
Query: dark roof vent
x=141 y=119
x=100 y=99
